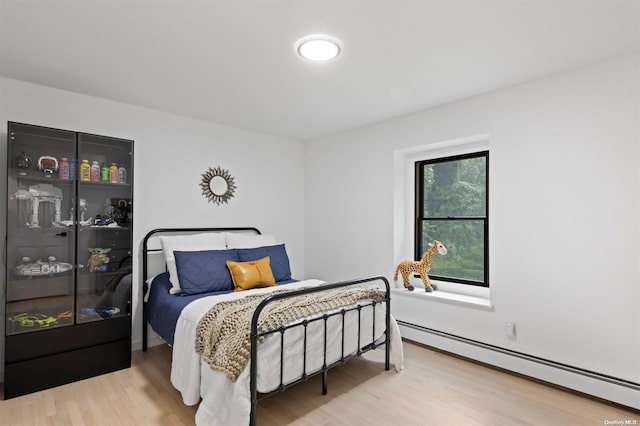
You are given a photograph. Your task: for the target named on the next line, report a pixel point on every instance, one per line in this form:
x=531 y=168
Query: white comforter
x=228 y=403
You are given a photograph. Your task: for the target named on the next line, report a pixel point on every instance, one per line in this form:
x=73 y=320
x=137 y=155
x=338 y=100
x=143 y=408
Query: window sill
x=472 y=297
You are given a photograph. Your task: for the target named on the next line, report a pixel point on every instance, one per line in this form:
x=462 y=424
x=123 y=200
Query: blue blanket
x=163 y=308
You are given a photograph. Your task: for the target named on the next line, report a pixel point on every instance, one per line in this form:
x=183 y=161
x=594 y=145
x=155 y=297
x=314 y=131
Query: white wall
x=565 y=189
x=171 y=153
x=564 y=211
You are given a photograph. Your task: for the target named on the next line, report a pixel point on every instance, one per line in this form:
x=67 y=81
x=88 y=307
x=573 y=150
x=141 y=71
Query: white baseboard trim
x=620 y=393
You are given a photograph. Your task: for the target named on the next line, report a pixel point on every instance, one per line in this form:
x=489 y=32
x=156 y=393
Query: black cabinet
x=68 y=257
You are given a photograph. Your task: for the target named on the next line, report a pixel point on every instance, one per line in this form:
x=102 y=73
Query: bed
x=234 y=348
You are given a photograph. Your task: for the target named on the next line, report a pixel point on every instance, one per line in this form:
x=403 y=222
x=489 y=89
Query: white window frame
x=404 y=204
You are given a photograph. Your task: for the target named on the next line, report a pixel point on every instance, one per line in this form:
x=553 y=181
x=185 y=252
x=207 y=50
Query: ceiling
x=233 y=62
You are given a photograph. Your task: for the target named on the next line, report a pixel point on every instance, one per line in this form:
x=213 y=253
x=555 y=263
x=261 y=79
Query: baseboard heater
x=577 y=370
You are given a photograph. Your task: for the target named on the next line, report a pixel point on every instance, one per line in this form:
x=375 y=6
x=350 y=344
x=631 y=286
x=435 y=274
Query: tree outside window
x=452 y=207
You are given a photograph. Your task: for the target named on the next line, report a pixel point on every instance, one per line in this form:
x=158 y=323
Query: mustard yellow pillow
x=253 y=274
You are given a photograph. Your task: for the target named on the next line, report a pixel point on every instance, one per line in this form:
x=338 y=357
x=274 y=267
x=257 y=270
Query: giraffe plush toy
x=408 y=267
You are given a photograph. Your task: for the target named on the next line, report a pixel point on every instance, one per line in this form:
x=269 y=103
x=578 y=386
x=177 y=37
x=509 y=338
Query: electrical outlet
x=510 y=330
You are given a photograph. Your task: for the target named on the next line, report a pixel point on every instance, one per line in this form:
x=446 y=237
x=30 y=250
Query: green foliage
x=454 y=192
x=455 y=188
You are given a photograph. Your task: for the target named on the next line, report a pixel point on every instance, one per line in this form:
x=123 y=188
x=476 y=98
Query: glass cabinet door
x=40 y=251
x=104 y=227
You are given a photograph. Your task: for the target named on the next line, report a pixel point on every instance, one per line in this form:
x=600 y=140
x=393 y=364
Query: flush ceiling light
x=318 y=48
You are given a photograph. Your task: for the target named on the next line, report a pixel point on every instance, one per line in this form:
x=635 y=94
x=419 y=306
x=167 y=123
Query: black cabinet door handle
x=61 y=234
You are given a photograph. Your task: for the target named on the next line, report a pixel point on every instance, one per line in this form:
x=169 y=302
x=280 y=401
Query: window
x=452 y=207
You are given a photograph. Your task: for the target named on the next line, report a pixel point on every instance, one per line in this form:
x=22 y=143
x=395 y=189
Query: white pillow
x=238 y=240
x=196 y=242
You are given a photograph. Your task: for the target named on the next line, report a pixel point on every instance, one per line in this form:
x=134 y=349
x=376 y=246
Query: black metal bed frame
x=256 y=336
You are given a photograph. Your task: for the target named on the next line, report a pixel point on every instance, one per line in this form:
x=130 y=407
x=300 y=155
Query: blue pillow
x=204 y=271
x=278 y=259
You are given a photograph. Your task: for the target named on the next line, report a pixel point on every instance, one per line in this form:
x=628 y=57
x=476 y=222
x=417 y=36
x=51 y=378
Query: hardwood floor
x=433 y=389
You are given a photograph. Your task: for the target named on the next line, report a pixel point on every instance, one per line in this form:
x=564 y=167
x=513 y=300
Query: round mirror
x=217 y=185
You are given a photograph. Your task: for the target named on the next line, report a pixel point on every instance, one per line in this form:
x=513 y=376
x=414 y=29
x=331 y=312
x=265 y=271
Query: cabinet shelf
x=104 y=228
x=96 y=274
x=15 y=276
x=52 y=230
x=37 y=176
x=103 y=184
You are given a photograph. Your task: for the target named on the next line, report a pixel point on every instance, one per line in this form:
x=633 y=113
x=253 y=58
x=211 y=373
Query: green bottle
x=104 y=173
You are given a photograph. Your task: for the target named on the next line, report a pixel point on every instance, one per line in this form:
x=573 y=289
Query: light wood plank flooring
x=433 y=389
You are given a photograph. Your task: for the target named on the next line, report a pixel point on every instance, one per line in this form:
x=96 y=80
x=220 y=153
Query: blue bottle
x=72 y=169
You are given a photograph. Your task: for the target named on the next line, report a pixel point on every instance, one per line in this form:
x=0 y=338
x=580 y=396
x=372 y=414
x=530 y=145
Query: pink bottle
x=63 y=168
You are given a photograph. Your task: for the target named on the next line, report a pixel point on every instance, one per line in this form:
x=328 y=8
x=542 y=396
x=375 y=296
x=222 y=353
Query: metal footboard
x=255 y=337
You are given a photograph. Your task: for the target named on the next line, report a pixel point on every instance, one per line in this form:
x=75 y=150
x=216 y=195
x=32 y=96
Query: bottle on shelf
x=104 y=173
x=95 y=171
x=113 y=173
x=85 y=170
x=63 y=168
x=72 y=169
x=122 y=175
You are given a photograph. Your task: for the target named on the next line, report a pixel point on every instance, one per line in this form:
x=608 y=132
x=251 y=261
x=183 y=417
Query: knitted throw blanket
x=223 y=333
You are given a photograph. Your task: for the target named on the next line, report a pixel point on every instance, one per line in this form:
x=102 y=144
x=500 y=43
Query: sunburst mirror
x=218 y=185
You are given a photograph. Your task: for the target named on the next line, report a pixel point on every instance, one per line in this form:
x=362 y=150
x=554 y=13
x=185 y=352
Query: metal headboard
x=146 y=250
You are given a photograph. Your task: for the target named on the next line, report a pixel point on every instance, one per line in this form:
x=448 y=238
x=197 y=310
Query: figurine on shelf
x=31 y=320
x=68 y=222
x=98 y=259
x=42 y=192
x=40 y=268
x=23 y=161
x=122 y=210
x=104 y=222
x=48 y=165
x=82 y=204
x=109 y=210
